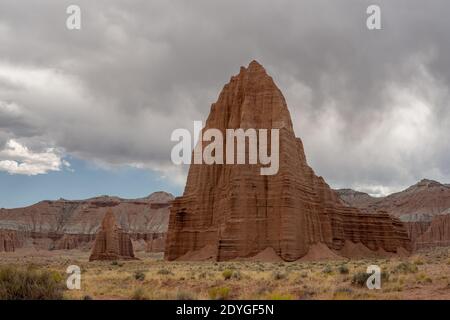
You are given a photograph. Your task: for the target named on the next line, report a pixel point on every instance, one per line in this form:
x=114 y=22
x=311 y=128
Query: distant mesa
x=111 y=243
x=232 y=212
x=73 y=224
x=424 y=208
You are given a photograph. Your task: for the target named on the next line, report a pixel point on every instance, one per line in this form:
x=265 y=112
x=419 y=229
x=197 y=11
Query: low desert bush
x=164 y=271
x=342 y=293
x=406 y=267
x=327 y=270
x=139 y=294
x=280 y=296
x=278 y=275
x=343 y=269
x=227 y=273
x=360 y=278
x=237 y=275
x=219 y=293
x=185 y=295
x=30 y=284
x=139 y=276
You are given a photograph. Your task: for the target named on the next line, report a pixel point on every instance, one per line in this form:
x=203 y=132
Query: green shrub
x=139 y=276
x=30 y=284
x=278 y=275
x=185 y=295
x=139 y=294
x=360 y=278
x=406 y=267
x=419 y=261
x=327 y=269
x=164 y=271
x=237 y=275
x=219 y=293
x=343 y=269
x=342 y=293
x=279 y=296
x=227 y=274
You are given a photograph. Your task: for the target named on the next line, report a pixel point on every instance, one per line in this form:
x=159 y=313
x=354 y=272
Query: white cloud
x=16 y=158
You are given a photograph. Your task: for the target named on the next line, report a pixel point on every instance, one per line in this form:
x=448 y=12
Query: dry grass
x=424 y=275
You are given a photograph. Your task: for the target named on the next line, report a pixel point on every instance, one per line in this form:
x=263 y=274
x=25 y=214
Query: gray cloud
x=371 y=106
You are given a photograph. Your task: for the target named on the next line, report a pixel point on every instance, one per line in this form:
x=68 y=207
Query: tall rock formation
x=111 y=243
x=231 y=211
x=73 y=224
x=9 y=241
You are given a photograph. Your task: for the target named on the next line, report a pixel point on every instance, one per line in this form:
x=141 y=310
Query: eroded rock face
x=436 y=235
x=231 y=211
x=67 y=224
x=111 y=243
x=9 y=241
x=424 y=208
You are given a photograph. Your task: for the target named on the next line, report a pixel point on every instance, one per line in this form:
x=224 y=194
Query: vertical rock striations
x=111 y=243
x=231 y=211
x=436 y=235
x=9 y=241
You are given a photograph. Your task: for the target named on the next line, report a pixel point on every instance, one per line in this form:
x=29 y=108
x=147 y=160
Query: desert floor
x=423 y=275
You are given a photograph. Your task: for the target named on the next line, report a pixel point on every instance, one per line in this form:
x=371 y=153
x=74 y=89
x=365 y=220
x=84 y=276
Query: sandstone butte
x=73 y=224
x=423 y=207
x=111 y=243
x=232 y=212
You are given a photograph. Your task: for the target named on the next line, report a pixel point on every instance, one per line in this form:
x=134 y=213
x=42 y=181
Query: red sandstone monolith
x=233 y=212
x=111 y=243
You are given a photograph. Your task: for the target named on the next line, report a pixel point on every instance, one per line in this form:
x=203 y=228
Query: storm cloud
x=372 y=107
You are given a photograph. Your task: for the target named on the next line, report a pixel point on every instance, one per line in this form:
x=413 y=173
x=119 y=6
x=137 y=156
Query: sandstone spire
x=111 y=243
x=231 y=211
x=8 y=241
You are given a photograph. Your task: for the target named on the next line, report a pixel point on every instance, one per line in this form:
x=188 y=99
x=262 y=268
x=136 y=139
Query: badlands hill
x=70 y=224
x=423 y=207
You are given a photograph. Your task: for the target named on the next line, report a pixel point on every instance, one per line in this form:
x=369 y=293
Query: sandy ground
x=424 y=275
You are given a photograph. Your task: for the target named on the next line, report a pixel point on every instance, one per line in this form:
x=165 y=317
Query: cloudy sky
x=90 y=112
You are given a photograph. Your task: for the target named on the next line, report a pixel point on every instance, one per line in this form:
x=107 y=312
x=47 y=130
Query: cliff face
x=9 y=241
x=423 y=207
x=231 y=211
x=66 y=224
x=436 y=235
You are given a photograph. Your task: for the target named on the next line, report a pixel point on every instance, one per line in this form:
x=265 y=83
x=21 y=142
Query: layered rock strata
x=424 y=208
x=232 y=211
x=68 y=224
x=111 y=243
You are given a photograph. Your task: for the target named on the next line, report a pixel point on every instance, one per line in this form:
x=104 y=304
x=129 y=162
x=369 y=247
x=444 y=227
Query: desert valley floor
x=423 y=275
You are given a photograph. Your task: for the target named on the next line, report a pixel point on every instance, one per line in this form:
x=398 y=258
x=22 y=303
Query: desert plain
x=422 y=275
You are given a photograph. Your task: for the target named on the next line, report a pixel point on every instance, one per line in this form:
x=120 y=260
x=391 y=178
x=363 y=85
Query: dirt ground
x=423 y=275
